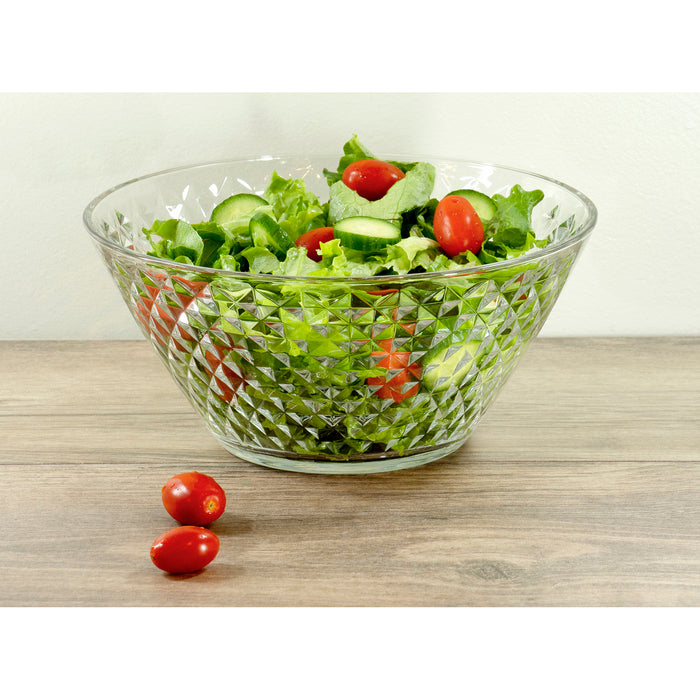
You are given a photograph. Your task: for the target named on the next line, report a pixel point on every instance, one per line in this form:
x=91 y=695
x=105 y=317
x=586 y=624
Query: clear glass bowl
x=280 y=368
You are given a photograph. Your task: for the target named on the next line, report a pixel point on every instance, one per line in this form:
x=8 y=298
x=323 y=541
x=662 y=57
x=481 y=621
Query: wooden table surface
x=581 y=487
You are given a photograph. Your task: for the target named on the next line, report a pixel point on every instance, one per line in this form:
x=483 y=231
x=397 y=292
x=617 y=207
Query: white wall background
x=636 y=155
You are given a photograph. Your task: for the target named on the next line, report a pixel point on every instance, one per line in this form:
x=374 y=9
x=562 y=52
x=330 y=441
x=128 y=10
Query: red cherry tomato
x=311 y=240
x=392 y=386
x=371 y=179
x=185 y=549
x=193 y=498
x=457 y=226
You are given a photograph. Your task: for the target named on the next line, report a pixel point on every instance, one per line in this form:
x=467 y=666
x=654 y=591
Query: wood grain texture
x=580 y=487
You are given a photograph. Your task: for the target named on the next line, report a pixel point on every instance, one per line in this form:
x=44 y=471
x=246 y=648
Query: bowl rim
x=469 y=270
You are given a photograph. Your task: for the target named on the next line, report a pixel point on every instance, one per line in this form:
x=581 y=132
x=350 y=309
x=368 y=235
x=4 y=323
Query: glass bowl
x=282 y=369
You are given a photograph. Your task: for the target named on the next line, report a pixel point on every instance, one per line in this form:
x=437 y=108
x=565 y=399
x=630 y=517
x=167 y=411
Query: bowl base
x=369 y=464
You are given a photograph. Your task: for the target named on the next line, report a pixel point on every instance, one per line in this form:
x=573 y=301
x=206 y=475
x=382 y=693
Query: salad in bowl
x=342 y=316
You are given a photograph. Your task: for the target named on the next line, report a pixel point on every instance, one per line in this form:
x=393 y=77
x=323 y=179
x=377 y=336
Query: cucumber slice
x=267 y=233
x=483 y=204
x=235 y=207
x=366 y=233
x=449 y=361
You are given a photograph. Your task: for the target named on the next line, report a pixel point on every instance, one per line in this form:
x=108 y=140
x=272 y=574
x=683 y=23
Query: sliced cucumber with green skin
x=449 y=361
x=366 y=234
x=483 y=204
x=235 y=207
x=267 y=233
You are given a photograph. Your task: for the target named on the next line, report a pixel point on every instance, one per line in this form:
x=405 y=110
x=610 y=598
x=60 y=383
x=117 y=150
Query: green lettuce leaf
x=509 y=234
x=297 y=263
x=346 y=262
x=178 y=239
x=410 y=253
x=513 y=215
x=260 y=259
x=296 y=209
x=227 y=262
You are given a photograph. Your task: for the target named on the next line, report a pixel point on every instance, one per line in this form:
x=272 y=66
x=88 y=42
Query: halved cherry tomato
x=193 y=498
x=457 y=226
x=392 y=386
x=311 y=240
x=185 y=549
x=371 y=178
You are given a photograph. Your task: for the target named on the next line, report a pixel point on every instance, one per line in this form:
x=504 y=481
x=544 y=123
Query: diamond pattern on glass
x=291 y=368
